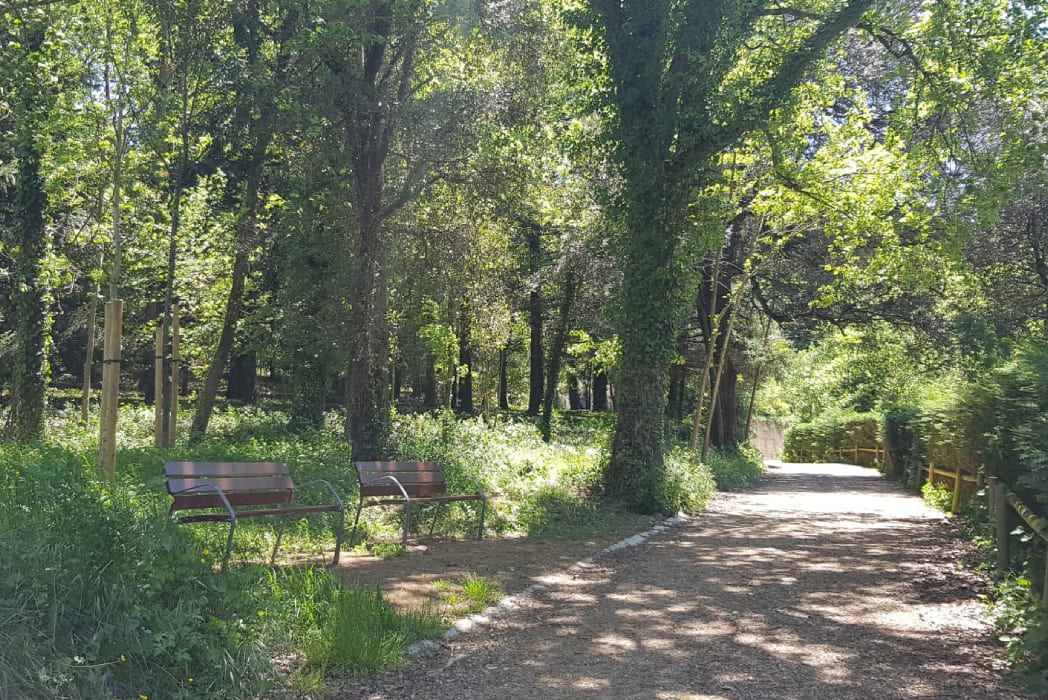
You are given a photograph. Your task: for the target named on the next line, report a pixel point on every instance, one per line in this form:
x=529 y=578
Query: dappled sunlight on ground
x=808 y=586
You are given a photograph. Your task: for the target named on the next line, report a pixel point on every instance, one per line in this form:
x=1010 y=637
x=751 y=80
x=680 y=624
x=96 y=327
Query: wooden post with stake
x=114 y=315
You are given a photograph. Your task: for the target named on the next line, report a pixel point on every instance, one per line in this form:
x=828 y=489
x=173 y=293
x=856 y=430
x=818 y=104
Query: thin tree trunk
x=503 y=380
x=465 y=380
x=89 y=355
x=722 y=362
x=245 y=234
x=556 y=352
x=600 y=390
x=710 y=318
x=536 y=379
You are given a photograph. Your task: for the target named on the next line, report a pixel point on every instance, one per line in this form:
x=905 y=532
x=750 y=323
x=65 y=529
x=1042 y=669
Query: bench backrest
x=417 y=478
x=243 y=483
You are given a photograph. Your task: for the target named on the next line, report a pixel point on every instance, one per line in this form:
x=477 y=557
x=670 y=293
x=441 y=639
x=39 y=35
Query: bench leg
x=436 y=515
x=280 y=534
x=229 y=540
x=356 y=520
x=338 y=539
x=407 y=520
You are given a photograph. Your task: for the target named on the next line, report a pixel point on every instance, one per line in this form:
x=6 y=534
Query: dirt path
x=823 y=581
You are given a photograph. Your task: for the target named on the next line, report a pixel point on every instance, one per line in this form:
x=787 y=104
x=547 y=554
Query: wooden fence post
x=956 y=491
x=158 y=387
x=114 y=317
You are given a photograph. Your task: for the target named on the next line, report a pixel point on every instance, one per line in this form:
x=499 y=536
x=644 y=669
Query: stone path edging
x=512 y=602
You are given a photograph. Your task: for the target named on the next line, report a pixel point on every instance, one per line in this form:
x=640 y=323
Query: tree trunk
x=465 y=379
x=600 y=390
x=503 y=380
x=651 y=313
x=429 y=385
x=574 y=392
x=29 y=388
x=244 y=236
x=556 y=353
x=243 y=377
x=536 y=311
x=725 y=432
x=368 y=421
x=536 y=382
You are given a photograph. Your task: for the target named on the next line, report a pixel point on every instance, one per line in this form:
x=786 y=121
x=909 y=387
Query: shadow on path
x=823 y=581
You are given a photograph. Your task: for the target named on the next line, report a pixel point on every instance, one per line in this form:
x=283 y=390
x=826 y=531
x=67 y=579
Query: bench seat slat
x=210 y=499
x=388 y=489
x=224 y=517
x=233 y=485
x=436 y=499
x=206 y=469
x=404 y=478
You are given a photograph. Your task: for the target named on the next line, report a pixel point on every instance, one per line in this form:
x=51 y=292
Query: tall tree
x=26 y=50
x=688 y=79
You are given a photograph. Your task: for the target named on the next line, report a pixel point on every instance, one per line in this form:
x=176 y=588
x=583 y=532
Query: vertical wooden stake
x=158 y=387
x=1044 y=593
x=956 y=491
x=114 y=315
x=176 y=371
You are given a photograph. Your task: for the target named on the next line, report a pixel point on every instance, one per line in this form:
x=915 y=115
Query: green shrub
x=904 y=437
x=1011 y=407
x=686 y=486
x=824 y=438
x=735 y=468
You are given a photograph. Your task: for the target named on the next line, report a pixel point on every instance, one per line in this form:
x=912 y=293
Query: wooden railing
x=958 y=478
x=1001 y=501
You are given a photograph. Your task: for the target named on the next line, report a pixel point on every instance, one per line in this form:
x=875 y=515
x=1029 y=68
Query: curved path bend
x=821 y=582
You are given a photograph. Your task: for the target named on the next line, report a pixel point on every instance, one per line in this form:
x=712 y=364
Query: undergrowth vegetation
x=103 y=595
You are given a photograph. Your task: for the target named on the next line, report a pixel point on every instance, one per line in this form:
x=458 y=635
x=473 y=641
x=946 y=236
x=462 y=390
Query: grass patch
x=360 y=632
x=471 y=594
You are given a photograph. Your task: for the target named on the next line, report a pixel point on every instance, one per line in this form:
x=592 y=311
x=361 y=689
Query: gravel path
x=822 y=581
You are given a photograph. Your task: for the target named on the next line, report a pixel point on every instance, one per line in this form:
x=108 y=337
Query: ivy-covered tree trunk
x=29 y=296
x=669 y=64
x=368 y=421
x=652 y=290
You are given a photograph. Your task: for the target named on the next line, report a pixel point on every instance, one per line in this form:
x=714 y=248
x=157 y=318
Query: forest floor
x=820 y=581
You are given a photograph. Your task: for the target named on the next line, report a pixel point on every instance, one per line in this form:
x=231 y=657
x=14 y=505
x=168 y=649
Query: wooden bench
x=407 y=483
x=228 y=491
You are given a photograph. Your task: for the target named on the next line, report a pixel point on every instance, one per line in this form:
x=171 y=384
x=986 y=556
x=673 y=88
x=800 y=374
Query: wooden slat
x=191 y=469
x=413 y=490
x=438 y=499
x=404 y=478
x=398 y=467
x=210 y=499
x=232 y=485
x=224 y=517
